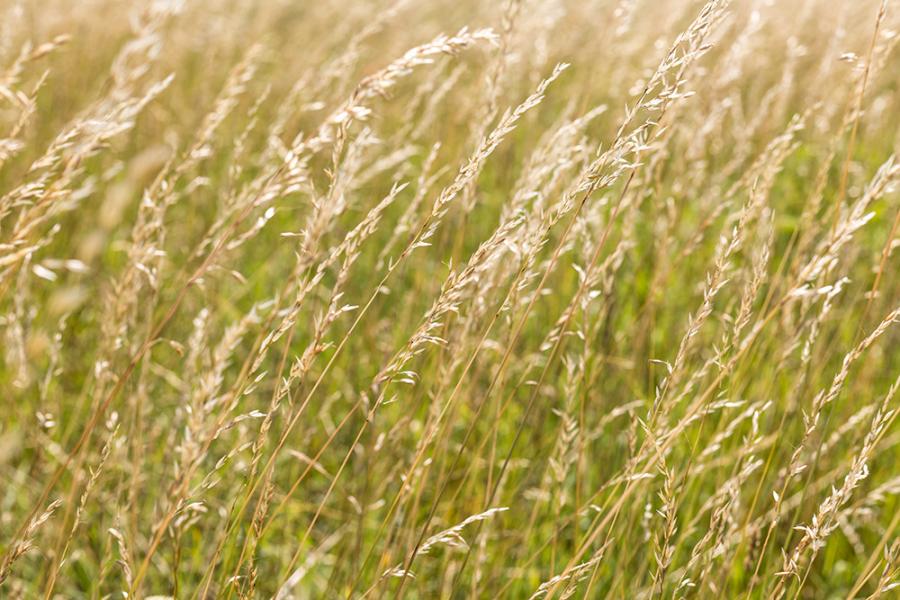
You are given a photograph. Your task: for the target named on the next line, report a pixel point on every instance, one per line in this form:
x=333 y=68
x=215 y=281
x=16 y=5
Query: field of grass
x=449 y=299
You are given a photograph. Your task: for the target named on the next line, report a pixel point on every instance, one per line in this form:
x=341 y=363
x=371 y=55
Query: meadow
x=376 y=299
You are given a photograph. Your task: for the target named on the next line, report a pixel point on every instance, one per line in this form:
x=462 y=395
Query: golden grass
x=372 y=299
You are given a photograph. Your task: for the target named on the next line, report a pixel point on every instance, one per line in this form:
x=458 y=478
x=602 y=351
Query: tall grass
x=381 y=299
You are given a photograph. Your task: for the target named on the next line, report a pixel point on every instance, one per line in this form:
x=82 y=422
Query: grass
x=527 y=299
